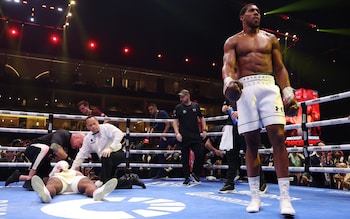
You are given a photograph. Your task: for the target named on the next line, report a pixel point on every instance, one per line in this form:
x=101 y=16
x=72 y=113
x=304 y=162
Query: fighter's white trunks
x=260 y=104
x=69 y=185
x=226 y=142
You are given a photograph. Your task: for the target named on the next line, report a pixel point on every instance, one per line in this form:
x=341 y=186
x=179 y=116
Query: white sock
x=254 y=184
x=283 y=184
x=286 y=207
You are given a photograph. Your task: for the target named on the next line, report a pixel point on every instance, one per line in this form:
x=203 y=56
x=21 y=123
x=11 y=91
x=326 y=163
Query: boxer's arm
x=229 y=62
x=229 y=59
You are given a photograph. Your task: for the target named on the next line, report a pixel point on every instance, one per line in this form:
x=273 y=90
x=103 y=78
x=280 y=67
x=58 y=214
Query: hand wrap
x=291 y=107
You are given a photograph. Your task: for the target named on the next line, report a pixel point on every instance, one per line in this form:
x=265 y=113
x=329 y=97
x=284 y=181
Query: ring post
x=127 y=143
x=305 y=137
x=50 y=125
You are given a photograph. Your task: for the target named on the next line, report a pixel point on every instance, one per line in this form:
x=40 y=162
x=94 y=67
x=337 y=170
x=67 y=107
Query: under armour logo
x=279 y=109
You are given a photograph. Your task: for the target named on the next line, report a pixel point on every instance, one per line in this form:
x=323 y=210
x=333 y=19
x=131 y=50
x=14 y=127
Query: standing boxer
x=258 y=59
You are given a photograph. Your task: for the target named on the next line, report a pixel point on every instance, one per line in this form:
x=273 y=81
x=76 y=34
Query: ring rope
x=328 y=98
x=80 y=117
x=30 y=131
x=145 y=165
x=174 y=165
x=309 y=148
x=24 y=113
x=302 y=169
x=66 y=116
x=329 y=122
x=98 y=165
x=261 y=151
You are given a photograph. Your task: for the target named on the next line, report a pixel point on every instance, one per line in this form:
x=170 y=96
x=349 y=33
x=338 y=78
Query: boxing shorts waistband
x=258 y=79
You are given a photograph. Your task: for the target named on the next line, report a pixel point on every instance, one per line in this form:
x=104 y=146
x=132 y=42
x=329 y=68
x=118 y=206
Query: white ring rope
x=80 y=117
x=145 y=165
x=142 y=151
x=328 y=122
x=302 y=169
x=261 y=151
x=133 y=134
x=310 y=148
x=177 y=165
x=328 y=98
x=30 y=131
x=24 y=113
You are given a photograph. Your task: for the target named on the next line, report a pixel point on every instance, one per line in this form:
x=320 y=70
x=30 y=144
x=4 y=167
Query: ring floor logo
x=90 y=209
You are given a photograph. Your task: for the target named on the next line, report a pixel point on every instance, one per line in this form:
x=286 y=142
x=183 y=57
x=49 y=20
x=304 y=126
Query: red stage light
x=13 y=32
x=126 y=50
x=54 y=39
x=92 y=45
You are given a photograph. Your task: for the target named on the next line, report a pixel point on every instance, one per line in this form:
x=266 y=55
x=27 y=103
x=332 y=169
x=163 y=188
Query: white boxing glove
x=61 y=166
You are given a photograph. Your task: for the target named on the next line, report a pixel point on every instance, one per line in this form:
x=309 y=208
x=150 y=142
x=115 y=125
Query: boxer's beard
x=254 y=24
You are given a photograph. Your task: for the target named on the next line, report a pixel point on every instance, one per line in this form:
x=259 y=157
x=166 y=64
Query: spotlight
x=13 y=32
x=126 y=50
x=54 y=39
x=92 y=45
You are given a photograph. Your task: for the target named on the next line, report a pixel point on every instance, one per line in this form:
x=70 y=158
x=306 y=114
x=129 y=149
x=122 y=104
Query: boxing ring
x=167 y=197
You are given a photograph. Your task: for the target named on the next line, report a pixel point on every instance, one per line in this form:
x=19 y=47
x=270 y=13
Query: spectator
x=160 y=127
x=296 y=159
x=342 y=180
x=317 y=159
x=84 y=108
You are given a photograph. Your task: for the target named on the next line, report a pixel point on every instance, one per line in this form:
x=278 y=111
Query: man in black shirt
x=58 y=145
x=188 y=120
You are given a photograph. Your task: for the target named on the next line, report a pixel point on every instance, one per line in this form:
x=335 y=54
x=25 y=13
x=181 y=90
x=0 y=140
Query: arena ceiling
x=180 y=29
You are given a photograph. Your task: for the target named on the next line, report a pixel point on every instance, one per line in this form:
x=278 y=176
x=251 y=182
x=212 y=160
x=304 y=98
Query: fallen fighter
x=64 y=180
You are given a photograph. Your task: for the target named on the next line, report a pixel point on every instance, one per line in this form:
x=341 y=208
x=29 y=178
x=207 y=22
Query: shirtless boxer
x=258 y=59
x=65 y=180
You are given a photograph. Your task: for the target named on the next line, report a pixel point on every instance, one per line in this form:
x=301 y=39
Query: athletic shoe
x=13 y=178
x=40 y=188
x=187 y=181
x=195 y=178
x=254 y=206
x=100 y=193
x=263 y=188
x=227 y=188
x=28 y=185
x=286 y=208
